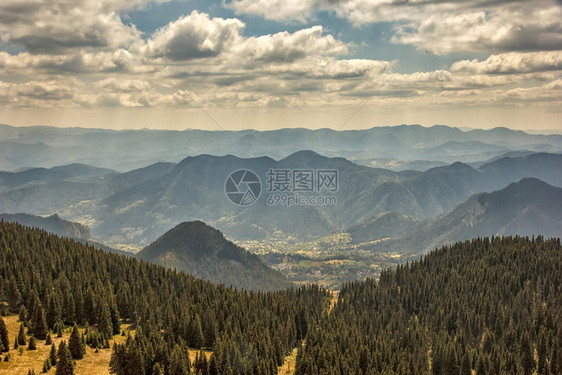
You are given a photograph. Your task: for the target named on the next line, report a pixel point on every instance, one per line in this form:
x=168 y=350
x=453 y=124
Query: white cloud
x=525 y=28
x=195 y=36
x=53 y=27
x=435 y=25
x=513 y=62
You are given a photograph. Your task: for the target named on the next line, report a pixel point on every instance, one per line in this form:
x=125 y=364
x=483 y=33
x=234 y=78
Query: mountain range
x=529 y=207
x=392 y=147
x=130 y=210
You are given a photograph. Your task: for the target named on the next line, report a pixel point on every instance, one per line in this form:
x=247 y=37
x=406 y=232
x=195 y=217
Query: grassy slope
x=92 y=363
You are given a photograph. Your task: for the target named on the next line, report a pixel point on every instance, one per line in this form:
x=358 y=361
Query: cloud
x=438 y=26
x=505 y=29
x=54 y=27
x=285 y=47
x=512 y=63
x=195 y=36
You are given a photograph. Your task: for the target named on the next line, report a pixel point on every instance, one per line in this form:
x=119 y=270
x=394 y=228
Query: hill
x=203 y=252
x=528 y=207
x=53 y=224
x=381 y=227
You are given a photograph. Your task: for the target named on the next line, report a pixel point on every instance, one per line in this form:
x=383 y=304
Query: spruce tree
x=64 y=360
x=32 y=345
x=179 y=363
x=465 y=365
x=39 y=323
x=23 y=316
x=4 y=339
x=105 y=326
x=213 y=365
x=53 y=310
x=53 y=355
x=526 y=355
x=75 y=344
x=480 y=366
x=21 y=336
x=196 y=333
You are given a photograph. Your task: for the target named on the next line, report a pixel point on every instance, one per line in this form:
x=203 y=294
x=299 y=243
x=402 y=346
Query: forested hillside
x=202 y=251
x=54 y=282
x=493 y=306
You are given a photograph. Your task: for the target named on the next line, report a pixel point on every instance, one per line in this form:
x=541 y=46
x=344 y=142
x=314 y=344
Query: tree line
x=54 y=283
x=493 y=306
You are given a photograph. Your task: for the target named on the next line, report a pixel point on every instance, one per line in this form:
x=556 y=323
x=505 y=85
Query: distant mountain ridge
x=526 y=208
x=53 y=224
x=136 y=207
x=130 y=149
x=203 y=252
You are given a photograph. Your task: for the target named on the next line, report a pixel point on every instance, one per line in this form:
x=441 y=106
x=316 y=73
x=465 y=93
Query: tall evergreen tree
x=179 y=362
x=75 y=344
x=22 y=340
x=105 y=325
x=4 y=339
x=53 y=310
x=39 y=323
x=196 y=333
x=53 y=355
x=466 y=368
x=64 y=360
x=526 y=355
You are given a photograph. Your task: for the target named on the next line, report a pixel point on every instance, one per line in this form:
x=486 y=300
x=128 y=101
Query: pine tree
x=21 y=336
x=196 y=333
x=64 y=360
x=526 y=356
x=75 y=344
x=465 y=365
x=480 y=366
x=32 y=345
x=105 y=326
x=53 y=311
x=213 y=365
x=118 y=361
x=53 y=355
x=179 y=363
x=4 y=339
x=47 y=365
x=115 y=320
x=39 y=323
x=49 y=339
x=23 y=315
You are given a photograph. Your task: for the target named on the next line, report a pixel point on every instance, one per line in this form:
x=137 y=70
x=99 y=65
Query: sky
x=268 y=64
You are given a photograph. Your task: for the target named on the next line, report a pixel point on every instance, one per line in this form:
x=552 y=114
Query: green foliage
x=75 y=344
x=496 y=300
x=4 y=339
x=21 y=339
x=65 y=365
x=249 y=332
x=32 y=344
x=39 y=323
